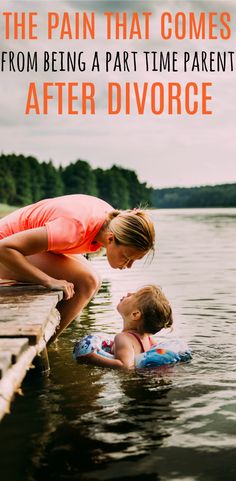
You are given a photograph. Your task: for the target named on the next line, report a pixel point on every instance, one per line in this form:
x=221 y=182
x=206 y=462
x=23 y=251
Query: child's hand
x=88 y=359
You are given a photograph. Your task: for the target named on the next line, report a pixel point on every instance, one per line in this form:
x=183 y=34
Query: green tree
x=52 y=183
x=20 y=171
x=113 y=187
x=7 y=182
x=37 y=176
x=79 y=178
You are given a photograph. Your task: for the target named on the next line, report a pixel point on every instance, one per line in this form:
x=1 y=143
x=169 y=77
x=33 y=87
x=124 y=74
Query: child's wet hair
x=133 y=228
x=156 y=312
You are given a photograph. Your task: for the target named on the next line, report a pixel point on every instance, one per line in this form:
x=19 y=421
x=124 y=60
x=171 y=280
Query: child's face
x=127 y=305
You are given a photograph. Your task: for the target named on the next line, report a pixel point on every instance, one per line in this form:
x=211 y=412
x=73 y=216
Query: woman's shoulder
x=82 y=205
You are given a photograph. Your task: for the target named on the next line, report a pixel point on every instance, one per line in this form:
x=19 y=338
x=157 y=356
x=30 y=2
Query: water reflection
x=113 y=417
x=175 y=424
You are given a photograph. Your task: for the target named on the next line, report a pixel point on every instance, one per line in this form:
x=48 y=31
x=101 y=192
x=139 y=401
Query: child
x=144 y=312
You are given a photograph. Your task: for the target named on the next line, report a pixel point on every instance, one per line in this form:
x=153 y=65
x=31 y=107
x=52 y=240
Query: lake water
x=171 y=424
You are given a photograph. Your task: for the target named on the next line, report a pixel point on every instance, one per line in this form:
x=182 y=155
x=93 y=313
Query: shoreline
x=6 y=209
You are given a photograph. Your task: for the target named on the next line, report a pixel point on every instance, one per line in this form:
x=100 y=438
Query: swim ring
x=166 y=351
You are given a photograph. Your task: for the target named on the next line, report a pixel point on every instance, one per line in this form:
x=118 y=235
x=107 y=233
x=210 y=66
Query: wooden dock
x=28 y=319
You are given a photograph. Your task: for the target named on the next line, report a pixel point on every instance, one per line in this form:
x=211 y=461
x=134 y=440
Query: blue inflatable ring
x=166 y=351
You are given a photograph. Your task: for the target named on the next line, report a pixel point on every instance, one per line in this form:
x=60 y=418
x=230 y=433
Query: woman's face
x=121 y=256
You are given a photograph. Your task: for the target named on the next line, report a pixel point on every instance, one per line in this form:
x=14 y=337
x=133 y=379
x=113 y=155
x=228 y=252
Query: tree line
x=24 y=180
x=223 y=195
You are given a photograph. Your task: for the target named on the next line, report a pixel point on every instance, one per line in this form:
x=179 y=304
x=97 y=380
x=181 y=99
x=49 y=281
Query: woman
x=37 y=244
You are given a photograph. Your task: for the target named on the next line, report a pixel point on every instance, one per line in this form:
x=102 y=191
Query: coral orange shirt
x=72 y=222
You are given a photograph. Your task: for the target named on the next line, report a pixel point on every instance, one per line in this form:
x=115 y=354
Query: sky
x=164 y=150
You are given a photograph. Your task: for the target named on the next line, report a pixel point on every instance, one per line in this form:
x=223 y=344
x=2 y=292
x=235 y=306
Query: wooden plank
x=16 y=298
x=5 y=362
x=33 y=331
x=25 y=316
x=28 y=319
x=14 y=346
x=16 y=373
x=25 y=310
x=30 y=289
x=13 y=379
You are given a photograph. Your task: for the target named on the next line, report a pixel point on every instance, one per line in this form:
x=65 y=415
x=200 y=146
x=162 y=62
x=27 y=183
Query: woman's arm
x=13 y=252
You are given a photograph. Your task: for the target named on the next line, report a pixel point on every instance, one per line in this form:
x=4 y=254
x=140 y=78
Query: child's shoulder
x=122 y=339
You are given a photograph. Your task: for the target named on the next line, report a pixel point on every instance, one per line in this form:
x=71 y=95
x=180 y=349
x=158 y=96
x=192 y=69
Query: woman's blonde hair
x=132 y=228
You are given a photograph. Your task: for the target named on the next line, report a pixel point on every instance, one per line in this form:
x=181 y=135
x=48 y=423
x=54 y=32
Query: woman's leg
x=75 y=269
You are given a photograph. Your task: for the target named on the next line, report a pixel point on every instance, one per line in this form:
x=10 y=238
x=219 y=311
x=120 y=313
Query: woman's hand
x=13 y=252
x=61 y=285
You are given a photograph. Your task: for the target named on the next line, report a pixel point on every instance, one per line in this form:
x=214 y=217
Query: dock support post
x=41 y=362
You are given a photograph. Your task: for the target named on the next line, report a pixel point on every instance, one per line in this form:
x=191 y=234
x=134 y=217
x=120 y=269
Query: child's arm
x=96 y=359
x=123 y=351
